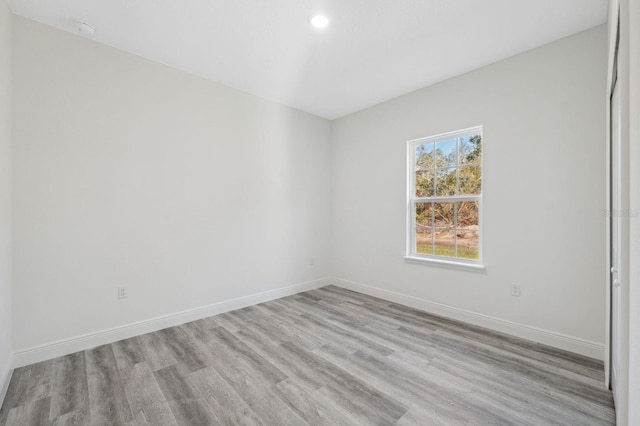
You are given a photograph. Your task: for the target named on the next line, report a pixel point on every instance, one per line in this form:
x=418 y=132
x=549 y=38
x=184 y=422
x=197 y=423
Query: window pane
x=424 y=157
x=446 y=181
x=467 y=215
x=425 y=184
x=468 y=245
x=424 y=230
x=470 y=180
x=424 y=240
x=424 y=214
x=471 y=149
x=446 y=153
x=443 y=215
x=444 y=242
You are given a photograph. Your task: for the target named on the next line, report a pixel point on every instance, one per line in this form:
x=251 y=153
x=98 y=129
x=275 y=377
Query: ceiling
x=372 y=50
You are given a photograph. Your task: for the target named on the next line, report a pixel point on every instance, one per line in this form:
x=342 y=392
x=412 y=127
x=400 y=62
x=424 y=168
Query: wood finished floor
x=324 y=357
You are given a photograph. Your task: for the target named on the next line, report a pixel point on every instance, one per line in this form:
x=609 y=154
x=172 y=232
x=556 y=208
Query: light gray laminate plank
x=251 y=314
x=353 y=341
x=348 y=391
x=327 y=331
x=155 y=352
x=532 y=413
x=108 y=403
x=376 y=374
x=16 y=387
x=542 y=402
x=258 y=396
x=523 y=388
x=224 y=401
x=30 y=414
x=385 y=335
x=522 y=362
x=183 y=348
x=525 y=370
x=411 y=358
x=234 y=348
x=491 y=357
x=328 y=296
x=313 y=406
x=574 y=362
x=228 y=321
x=193 y=412
x=127 y=352
x=355 y=297
x=281 y=331
x=428 y=414
x=329 y=311
x=38 y=382
x=388 y=342
x=73 y=418
x=248 y=379
x=174 y=384
x=412 y=386
x=286 y=361
x=69 y=391
x=146 y=400
x=381 y=316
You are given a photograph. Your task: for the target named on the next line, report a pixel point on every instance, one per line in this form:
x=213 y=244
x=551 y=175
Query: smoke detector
x=84 y=28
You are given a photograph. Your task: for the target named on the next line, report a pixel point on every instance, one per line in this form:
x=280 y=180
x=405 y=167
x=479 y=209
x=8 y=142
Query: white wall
x=6 y=350
x=544 y=184
x=128 y=172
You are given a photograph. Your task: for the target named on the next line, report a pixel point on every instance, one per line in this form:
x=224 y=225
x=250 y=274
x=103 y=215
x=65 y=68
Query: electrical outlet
x=122 y=292
x=515 y=290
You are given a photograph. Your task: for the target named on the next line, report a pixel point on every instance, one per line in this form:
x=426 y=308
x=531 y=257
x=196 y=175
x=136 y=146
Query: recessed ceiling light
x=319 y=21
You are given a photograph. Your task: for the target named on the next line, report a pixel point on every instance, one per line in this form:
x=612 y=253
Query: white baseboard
x=91 y=340
x=551 y=338
x=5 y=378
x=87 y=341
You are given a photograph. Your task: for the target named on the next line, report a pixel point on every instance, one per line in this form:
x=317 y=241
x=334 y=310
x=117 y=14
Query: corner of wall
x=5 y=378
x=6 y=283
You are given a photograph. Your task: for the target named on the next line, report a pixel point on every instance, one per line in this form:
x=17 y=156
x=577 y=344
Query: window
x=445 y=198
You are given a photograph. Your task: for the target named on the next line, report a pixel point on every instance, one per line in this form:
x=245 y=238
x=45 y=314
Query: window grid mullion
x=451 y=199
x=433 y=227
x=455 y=229
x=456 y=204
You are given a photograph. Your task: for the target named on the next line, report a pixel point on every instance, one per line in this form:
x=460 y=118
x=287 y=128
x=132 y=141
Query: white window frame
x=411 y=253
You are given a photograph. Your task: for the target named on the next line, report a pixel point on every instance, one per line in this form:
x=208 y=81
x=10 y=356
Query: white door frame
x=613 y=40
x=615 y=245
x=624 y=19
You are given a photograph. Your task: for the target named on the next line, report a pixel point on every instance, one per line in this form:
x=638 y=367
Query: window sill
x=474 y=267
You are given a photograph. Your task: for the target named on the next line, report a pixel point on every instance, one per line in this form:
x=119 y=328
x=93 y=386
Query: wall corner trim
x=91 y=340
x=546 y=337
